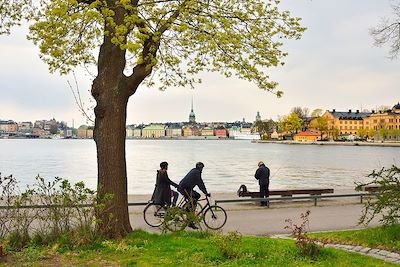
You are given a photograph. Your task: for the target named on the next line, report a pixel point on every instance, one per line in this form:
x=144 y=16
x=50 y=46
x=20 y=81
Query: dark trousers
x=191 y=196
x=175 y=196
x=264 y=192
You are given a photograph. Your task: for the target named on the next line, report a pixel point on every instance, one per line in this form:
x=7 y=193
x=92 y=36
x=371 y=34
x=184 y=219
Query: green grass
x=385 y=237
x=186 y=249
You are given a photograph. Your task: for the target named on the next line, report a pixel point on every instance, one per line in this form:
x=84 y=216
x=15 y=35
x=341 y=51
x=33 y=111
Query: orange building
x=307 y=137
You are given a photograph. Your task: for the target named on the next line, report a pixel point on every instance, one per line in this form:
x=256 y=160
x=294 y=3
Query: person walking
x=162 y=190
x=262 y=175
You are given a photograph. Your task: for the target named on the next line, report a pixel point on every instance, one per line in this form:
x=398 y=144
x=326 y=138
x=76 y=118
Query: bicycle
x=178 y=218
x=154 y=213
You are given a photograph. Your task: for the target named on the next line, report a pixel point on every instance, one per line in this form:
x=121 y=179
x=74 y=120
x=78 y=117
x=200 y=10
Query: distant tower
x=258 y=117
x=192 y=116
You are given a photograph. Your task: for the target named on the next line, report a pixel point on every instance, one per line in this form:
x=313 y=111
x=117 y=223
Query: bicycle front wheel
x=175 y=219
x=215 y=217
x=154 y=214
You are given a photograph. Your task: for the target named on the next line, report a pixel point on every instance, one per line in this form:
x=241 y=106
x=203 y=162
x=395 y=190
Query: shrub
x=307 y=246
x=49 y=211
x=229 y=244
x=387 y=200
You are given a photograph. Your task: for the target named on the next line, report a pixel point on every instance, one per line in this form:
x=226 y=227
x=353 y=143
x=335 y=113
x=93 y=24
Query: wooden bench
x=370 y=188
x=242 y=192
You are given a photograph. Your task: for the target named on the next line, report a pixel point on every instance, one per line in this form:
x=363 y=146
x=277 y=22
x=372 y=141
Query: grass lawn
x=185 y=249
x=381 y=237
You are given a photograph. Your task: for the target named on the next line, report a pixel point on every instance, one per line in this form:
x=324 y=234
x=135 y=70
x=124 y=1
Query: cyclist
x=162 y=191
x=186 y=185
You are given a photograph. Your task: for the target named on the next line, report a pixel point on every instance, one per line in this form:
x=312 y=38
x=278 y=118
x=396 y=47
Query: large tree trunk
x=112 y=178
x=110 y=91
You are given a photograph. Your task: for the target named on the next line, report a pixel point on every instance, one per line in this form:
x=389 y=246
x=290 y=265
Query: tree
x=386 y=204
x=53 y=128
x=316 y=113
x=362 y=133
x=292 y=123
x=301 y=112
x=150 y=42
x=388 y=32
x=322 y=125
x=371 y=133
x=264 y=127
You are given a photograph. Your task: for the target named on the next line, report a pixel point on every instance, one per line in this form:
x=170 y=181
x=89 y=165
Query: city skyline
x=334 y=65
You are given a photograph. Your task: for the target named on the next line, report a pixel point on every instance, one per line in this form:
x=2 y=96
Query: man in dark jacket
x=192 y=179
x=262 y=175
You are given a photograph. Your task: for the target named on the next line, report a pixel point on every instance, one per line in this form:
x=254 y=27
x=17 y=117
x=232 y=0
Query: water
x=228 y=163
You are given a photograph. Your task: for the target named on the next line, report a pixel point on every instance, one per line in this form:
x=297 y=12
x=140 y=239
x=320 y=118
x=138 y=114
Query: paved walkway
x=250 y=219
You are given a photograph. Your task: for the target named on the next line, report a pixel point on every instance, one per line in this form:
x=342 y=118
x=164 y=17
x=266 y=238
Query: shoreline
x=331 y=143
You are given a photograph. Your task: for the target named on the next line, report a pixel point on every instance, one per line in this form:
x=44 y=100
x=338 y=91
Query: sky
x=334 y=66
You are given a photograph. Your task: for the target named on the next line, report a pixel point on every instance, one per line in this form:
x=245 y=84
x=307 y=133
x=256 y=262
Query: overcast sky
x=334 y=65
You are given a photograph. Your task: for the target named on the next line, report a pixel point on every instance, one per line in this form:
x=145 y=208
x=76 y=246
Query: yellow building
x=207 y=131
x=84 y=132
x=187 y=131
x=153 y=131
x=346 y=123
x=389 y=119
x=307 y=137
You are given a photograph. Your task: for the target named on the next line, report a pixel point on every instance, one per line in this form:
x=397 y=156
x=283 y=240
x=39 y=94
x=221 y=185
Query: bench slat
x=242 y=192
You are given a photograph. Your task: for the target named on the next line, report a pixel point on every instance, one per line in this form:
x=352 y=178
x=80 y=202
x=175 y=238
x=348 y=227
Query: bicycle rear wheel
x=215 y=217
x=153 y=214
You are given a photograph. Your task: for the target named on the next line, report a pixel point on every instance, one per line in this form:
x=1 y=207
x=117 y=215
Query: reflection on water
x=228 y=163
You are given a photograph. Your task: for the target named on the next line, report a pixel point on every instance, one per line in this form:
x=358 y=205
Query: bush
x=387 y=200
x=58 y=211
x=230 y=244
x=307 y=246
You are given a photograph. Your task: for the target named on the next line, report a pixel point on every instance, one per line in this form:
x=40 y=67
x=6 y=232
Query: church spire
x=192 y=116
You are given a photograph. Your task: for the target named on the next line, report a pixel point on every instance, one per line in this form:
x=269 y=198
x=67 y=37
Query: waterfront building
x=25 y=127
x=344 y=123
x=129 y=131
x=386 y=124
x=245 y=129
x=307 y=136
x=153 y=131
x=220 y=132
x=207 y=131
x=38 y=132
x=84 y=131
x=275 y=135
x=233 y=131
x=137 y=132
x=187 y=131
x=8 y=126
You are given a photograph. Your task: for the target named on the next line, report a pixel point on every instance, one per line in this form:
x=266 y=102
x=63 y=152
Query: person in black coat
x=162 y=191
x=262 y=175
x=186 y=185
x=192 y=179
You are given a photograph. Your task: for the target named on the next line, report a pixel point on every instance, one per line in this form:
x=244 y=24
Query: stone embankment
x=356 y=143
x=385 y=255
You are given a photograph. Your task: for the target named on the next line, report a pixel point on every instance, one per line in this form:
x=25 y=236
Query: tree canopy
x=388 y=31
x=292 y=123
x=155 y=42
x=176 y=39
